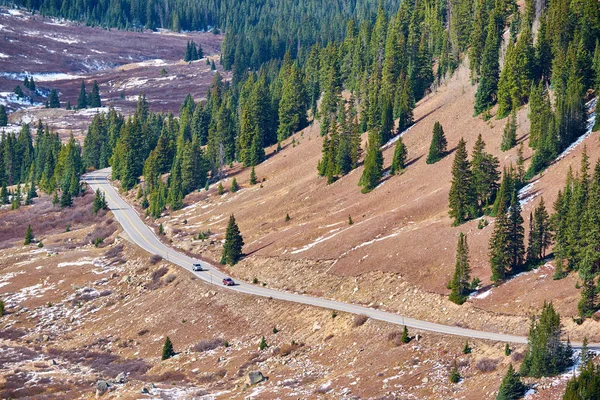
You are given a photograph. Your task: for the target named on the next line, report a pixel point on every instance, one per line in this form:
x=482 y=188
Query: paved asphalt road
x=144 y=237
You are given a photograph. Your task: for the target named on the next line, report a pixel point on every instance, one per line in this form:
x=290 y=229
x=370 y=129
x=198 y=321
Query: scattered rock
x=316 y=326
x=144 y=390
x=101 y=388
x=425 y=380
x=126 y=279
x=418 y=337
x=121 y=378
x=254 y=377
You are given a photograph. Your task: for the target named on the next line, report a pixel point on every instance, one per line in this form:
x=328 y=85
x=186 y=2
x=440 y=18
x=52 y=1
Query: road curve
x=145 y=237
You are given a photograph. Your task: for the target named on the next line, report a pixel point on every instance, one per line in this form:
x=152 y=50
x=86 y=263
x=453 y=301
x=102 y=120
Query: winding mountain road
x=145 y=237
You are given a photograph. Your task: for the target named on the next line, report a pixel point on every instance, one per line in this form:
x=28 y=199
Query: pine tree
x=1 y=308
x=461 y=199
x=485 y=175
x=546 y=355
x=263 y=344
x=507 y=350
x=95 y=100
x=220 y=189
x=511 y=387
x=253 y=176
x=509 y=138
x=28 y=235
x=488 y=83
x=373 y=166
x=167 y=350
x=540 y=236
x=454 y=374
x=53 y=100
x=437 y=149
x=3 y=116
x=399 y=159
x=405 y=338
x=515 y=236
x=462 y=272
x=232 y=249
x=499 y=258
x=292 y=106
x=234 y=186
x=585 y=355
x=82 y=99
x=99 y=202
x=466 y=348
x=586 y=385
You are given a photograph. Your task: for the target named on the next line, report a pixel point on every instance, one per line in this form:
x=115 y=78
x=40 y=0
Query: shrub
x=486 y=365
x=207 y=345
x=170 y=278
x=167 y=350
x=467 y=349
x=1 y=308
x=395 y=337
x=263 y=344
x=454 y=374
x=159 y=273
x=287 y=349
x=155 y=259
x=359 y=320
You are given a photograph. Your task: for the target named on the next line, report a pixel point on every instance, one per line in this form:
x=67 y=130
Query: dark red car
x=228 y=282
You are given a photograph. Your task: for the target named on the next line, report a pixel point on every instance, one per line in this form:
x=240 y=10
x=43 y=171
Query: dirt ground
x=77 y=314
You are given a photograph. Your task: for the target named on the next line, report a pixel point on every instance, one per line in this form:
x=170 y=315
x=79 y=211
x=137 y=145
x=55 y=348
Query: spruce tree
x=28 y=235
x=373 y=166
x=3 y=116
x=167 y=350
x=586 y=385
x=1 y=308
x=53 y=101
x=99 y=202
x=488 y=83
x=515 y=236
x=234 y=186
x=509 y=138
x=437 y=149
x=461 y=199
x=546 y=355
x=499 y=258
x=511 y=387
x=405 y=338
x=82 y=99
x=220 y=189
x=232 y=249
x=399 y=159
x=95 y=100
x=485 y=175
x=253 y=176
x=454 y=374
x=462 y=272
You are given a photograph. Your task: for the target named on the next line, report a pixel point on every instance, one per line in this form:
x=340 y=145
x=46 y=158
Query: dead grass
x=359 y=320
x=486 y=365
x=207 y=345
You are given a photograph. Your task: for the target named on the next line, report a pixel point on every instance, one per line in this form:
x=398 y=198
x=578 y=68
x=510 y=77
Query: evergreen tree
x=234 y=186
x=95 y=100
x=454 y=374
x=546 y=355
x=405 y=338
x=82 y=99
x=292 y=106
x=499 y=257
x=485 y=174
x=53 y=101
x=220 y=189
x=515 y=245
x=509 y=138
x=461 y=199
x=459 y=285
x=373 y=166
x=99 y=202
x=511 y=387
x=437 y=149
x=28 y=235
x=488 y=83
x=400 y=156
x=253 y=176
x=540 y=236
x=3 y=116
x=586 y=385
x=167 y=350
x=232 y=249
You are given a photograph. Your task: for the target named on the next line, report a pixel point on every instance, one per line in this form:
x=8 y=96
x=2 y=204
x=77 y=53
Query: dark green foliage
x=509 y=138
x=161 y=229
x=94 y=97
x=485 y=175
x=253 y=176
x=1 y=308
x=437 y=149
x=99 y=202
x=511 y=387
x=467 y=349
x=454 y=374
x=234 y=186
x=53 y=100
x=507 y=350
x=263 y=344
x=373 y=167
x=488 y=83
x=232 y=249
x=18 y=91
x=3 y=116
x=405 y=338
x=28 y=235
x=400 y=156
x=546 y=355
x=540 y=235
x=462 y=197
x=82 y=99
x=220 y=189
x=193 y=52
x=350 y=222
x=287 y=217
x=459 y=286
x=585 y=386
x=167 y=350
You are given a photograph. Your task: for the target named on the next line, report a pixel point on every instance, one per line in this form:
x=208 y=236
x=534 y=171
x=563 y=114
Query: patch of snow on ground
x=395 y=138
x=61 y=39
x=133 y=83
x=2 y=55
x=41 y=77
x=482 y=295
x=93 y=111
x=153 y=63
x=83 y=261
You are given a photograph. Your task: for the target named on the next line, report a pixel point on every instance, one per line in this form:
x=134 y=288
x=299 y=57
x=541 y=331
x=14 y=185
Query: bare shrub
x=105 y=292
x=329 y=337
x=395 y=337
x=462 y=362
x=168 y=377
x=486 y=365
x=11 y=333
x=359 y=320
x=159 y=273
x=114 y=251
x=155 y=259
x=170 y=278
x=516 y=356
x=207 y=345
x=143 y=332
x=287 y=349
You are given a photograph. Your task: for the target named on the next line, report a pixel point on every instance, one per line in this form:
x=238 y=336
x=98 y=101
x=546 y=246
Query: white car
x=197 y=267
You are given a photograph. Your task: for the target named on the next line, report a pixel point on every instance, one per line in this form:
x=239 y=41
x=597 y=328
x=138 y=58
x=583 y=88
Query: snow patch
x=2 y=55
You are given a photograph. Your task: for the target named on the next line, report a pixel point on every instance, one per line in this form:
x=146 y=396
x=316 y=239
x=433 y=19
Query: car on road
x=228 y=282
x=197 y=267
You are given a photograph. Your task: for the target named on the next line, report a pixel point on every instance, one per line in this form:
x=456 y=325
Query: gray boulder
x=254 y=377
x=101 y=388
